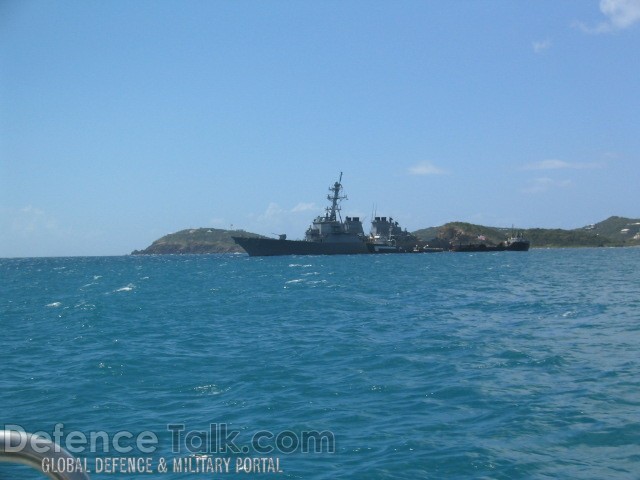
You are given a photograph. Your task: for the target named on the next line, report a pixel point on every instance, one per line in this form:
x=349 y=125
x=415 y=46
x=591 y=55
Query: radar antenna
x=335 y=199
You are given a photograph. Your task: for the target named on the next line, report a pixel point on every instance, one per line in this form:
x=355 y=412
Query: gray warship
x=327 y=235
x=388 y=237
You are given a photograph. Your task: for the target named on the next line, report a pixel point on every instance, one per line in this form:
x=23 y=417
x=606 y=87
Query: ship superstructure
x=388 y=237
x=327 y=235
x=330 y=227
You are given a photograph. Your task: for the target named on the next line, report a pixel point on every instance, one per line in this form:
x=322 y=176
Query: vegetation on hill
x=618 y=229
x=612 y=232
x=197 y=240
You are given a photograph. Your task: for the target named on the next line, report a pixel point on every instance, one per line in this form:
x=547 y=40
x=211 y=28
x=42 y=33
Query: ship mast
x=335 y=199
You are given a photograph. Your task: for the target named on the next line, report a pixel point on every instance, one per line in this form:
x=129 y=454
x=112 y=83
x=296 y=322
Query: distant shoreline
x=124 y=255
x=612 y=232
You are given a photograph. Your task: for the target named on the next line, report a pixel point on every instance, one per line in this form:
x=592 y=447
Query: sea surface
x=451 y=365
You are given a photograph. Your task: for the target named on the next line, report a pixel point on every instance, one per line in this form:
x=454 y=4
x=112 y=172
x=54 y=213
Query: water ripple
x=423 y=366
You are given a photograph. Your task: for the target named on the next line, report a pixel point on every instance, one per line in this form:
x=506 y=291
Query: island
x=196 y=240
x=612 y=232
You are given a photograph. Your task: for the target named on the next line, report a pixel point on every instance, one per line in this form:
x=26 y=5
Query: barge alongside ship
x=515 y=243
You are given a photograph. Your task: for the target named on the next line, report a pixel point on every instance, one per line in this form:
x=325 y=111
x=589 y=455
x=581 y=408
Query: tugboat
x=517 y=243
x=327 y=235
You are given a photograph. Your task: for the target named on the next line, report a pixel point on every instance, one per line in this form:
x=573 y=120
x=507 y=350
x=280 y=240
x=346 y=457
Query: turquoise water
x=490 y=365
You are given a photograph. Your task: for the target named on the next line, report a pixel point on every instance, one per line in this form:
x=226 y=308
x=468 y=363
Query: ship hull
x=518 y=247
x=266 y=247
x=383 y=248
x=513 y=247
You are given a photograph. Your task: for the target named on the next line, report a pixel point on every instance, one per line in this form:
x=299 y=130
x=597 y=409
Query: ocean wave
x=419 y=372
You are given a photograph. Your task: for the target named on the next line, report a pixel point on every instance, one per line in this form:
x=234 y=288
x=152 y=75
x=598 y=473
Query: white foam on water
x=54 y=304
x=128 y=288
x=211 y=389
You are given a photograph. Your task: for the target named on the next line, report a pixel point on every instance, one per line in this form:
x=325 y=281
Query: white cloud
x=28 y=220
x=304 y=207
x=541 y=46
x=553 y=164
x=621 y=14
x=275 y=213
x=272 y=211
x=426 y=168
x=31 y=231
x=539 y=185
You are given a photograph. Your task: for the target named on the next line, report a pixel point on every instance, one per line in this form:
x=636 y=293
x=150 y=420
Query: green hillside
x=196 y=240
x=461 y=232
x=614 y=231
x=619 y=229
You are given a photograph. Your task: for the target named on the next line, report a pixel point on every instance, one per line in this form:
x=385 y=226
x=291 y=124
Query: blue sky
x=123 y=121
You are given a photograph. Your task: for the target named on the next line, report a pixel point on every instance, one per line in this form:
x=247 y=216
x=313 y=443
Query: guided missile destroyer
x=327 y=235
